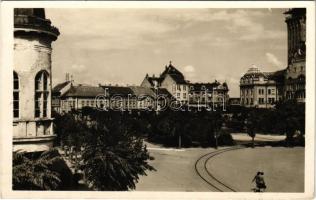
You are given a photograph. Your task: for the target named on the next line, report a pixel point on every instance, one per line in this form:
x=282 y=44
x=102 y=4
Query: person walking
x=260 y=183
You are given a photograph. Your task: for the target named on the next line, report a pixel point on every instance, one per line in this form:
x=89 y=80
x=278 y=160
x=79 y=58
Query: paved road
x=175 y=169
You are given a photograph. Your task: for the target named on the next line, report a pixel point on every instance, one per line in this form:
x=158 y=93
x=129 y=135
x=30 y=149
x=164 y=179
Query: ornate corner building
x=32 y=78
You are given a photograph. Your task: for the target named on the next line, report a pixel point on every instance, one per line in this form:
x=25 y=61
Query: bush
x=225 y=140
x=36 y=172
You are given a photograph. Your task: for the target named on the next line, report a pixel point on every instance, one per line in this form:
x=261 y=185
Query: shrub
x=35 y=172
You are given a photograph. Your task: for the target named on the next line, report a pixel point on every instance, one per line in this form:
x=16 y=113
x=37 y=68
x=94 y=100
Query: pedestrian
x=260 y=183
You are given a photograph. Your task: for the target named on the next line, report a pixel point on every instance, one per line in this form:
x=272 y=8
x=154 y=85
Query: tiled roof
x=123 y=91
x=138 y=91
x=175 y=74
x=152 y=79
x=278 y=75
x=164 y=91
x=208 y=86
x=60 y=86
x=84 y=91
x=171 y=70
x=118 y=90
x=178 y=78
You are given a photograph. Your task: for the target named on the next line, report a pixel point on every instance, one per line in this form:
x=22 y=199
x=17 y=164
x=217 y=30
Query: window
x=184 y=88
x=178 y=87
x=178 y=95
x=41 y=94
x=272 y=91
x=15 y=95
x=269 y=91
x=184 y=95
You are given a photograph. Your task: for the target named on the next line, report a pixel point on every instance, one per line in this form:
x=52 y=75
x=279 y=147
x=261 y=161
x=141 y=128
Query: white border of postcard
x=6 y=47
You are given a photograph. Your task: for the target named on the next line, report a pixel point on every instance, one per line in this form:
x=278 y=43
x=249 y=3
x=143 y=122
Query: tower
x=295 y=72
x=32 y=122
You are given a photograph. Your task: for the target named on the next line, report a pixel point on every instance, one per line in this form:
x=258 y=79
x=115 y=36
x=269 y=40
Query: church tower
x=295 y=72
x=32 y=79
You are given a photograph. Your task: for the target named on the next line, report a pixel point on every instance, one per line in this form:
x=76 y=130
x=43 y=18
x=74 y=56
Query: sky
x=119 y=46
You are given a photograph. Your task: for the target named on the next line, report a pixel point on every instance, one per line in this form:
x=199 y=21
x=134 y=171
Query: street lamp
x=216 y=135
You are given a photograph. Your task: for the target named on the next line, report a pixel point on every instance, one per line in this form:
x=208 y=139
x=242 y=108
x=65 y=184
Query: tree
x=32 y=172
x=291 y=118
x=251 y=124
x=113 y=155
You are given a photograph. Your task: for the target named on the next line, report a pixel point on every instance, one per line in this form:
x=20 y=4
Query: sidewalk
x=259 y=137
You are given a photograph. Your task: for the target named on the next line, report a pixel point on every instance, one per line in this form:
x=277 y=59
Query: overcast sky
x=119 y=46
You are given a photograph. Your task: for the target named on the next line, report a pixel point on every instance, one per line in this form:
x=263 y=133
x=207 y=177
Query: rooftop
x=33 y=20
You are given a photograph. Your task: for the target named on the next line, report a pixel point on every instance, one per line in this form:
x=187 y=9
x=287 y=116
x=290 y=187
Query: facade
x=77 y=97
x=172 y=80
x=108 y=97
x=234 y=101
x=185 y=92
x=295 y=72
x=58 y=91
x=212 y=95
x=260 y=89
x=32 y=122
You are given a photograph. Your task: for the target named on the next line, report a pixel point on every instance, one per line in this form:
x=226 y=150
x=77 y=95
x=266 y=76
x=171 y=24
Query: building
x=263 y=89
x=172 y=80
x=212 y=95
x=58 y=91
x=260 y=89
x=32 y=122
x=234 y=101
x=106 y=97
x=295 y=72
x=192 y=94
x=77 y=97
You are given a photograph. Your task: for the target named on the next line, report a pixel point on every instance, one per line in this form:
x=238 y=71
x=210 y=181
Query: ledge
x=34 y=139
x=32 y=120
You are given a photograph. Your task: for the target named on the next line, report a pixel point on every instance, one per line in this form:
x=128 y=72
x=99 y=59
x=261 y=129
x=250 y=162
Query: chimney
x=67 y=77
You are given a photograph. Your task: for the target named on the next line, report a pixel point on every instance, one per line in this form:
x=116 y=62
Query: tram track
x=207 y=176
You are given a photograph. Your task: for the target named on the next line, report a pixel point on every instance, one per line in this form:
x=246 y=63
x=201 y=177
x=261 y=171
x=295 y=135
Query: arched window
x=15 y=95
x=41 y=94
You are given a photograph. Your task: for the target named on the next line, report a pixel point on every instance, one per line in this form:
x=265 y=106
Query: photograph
x=166 y=99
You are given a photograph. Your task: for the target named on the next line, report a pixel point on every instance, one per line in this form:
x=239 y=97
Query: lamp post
x=215 y=135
